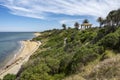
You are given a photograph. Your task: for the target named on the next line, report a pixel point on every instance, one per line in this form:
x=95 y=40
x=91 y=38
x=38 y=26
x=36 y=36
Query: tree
x=9 y=77
x=76 y=25
x=111 y=18
x=86 y=21
x=64 y=26
x=110 y=41
x=118 y=17
x=100 y=20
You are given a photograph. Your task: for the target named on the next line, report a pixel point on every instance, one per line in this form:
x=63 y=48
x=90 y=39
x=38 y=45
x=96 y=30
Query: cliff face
x=75 y=55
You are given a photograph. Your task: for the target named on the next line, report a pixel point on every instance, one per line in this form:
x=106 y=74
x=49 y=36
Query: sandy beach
x=28 y=48
x=37 y=34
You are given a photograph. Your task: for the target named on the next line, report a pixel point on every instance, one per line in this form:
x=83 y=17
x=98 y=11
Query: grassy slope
x=83 y=50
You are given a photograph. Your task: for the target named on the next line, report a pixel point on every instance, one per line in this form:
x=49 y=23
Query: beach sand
x=37 y=34
x=29 y=47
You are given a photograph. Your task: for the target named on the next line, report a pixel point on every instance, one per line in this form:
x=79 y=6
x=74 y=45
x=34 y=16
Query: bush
x=9 y=77
x=110 y=41
x=81 y=58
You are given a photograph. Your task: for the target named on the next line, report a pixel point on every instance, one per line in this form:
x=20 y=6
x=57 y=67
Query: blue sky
x=39 y=15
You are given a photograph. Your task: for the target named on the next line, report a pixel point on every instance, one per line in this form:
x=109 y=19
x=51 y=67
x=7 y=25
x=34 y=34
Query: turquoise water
x=10 y=44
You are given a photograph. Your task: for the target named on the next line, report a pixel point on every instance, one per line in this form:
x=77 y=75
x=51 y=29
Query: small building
x=86 y=25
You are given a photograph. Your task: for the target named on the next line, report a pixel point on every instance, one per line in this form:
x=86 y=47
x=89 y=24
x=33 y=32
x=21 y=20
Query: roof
x=86 y=24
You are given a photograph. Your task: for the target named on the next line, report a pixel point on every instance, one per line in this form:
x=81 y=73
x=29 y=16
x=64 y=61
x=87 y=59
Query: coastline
x=37 y=34
x=23 y=54
x=14 y=56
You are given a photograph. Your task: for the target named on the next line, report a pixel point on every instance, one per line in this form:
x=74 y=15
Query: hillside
x=56 y=59
x=73 y=54
x=83 y=50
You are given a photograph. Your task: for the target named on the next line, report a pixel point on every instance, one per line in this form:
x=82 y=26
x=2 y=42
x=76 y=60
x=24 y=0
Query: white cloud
x=70 y=21
x=40 y=8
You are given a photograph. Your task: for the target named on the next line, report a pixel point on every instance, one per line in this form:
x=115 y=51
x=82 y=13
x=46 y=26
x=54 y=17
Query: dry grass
x=109 y=69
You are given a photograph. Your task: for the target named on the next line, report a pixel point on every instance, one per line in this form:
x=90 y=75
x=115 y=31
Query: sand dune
x=37 y=34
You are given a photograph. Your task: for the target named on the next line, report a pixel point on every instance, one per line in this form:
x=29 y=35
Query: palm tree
x=100 y=20
x=111 y=17
x=76 y=25
x=118 y=17
x=86 y=21
x=64 y=26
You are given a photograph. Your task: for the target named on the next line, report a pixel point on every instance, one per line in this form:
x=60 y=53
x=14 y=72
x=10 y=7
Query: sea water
x=10 y=44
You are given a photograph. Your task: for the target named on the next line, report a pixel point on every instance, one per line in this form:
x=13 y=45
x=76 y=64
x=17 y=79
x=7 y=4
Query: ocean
x=10 y=44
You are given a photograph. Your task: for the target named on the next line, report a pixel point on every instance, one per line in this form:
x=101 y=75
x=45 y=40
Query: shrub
x=9 y=77
x=81 y=58
x=110 y=41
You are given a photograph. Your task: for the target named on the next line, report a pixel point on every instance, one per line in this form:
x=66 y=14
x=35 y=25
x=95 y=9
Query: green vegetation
x=71 y=51
x=58 y=58
x=85 y=21
x=100 y=20
x=64 y=26
x=76 y=25
x=9 y=77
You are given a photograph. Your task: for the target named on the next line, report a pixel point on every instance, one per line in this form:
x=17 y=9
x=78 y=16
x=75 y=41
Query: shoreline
x=27 y=48
x=14 y=53
x=14 y=56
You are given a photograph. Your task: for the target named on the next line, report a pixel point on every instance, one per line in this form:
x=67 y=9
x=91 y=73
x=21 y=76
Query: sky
x=40 y=15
